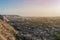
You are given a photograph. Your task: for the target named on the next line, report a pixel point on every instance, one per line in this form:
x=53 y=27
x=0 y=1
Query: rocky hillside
x=6 y=31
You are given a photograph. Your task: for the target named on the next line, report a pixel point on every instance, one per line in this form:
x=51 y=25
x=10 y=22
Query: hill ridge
x=6 y=31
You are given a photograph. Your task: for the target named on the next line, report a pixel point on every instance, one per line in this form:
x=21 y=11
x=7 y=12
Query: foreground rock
x=6 y=31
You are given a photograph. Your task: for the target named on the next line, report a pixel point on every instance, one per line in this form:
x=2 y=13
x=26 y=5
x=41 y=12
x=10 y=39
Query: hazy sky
x=30 y=7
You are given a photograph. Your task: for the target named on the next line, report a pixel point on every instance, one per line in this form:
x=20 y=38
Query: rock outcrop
x=6 y=31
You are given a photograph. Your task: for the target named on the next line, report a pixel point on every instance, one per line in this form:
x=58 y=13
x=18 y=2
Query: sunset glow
x=30 y=7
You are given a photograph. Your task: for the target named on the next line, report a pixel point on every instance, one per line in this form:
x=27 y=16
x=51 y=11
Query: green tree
x=57 y=35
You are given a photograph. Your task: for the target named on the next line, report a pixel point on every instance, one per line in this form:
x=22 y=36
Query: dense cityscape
x=35 y=28
x=29 y=19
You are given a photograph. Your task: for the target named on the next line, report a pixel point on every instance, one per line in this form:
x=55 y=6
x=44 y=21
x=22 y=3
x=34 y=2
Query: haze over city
x=30 y=7
x=29 y=19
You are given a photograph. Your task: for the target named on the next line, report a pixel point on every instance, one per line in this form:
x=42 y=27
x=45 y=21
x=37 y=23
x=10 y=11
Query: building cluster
x=35 y=28
x=37 y=32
